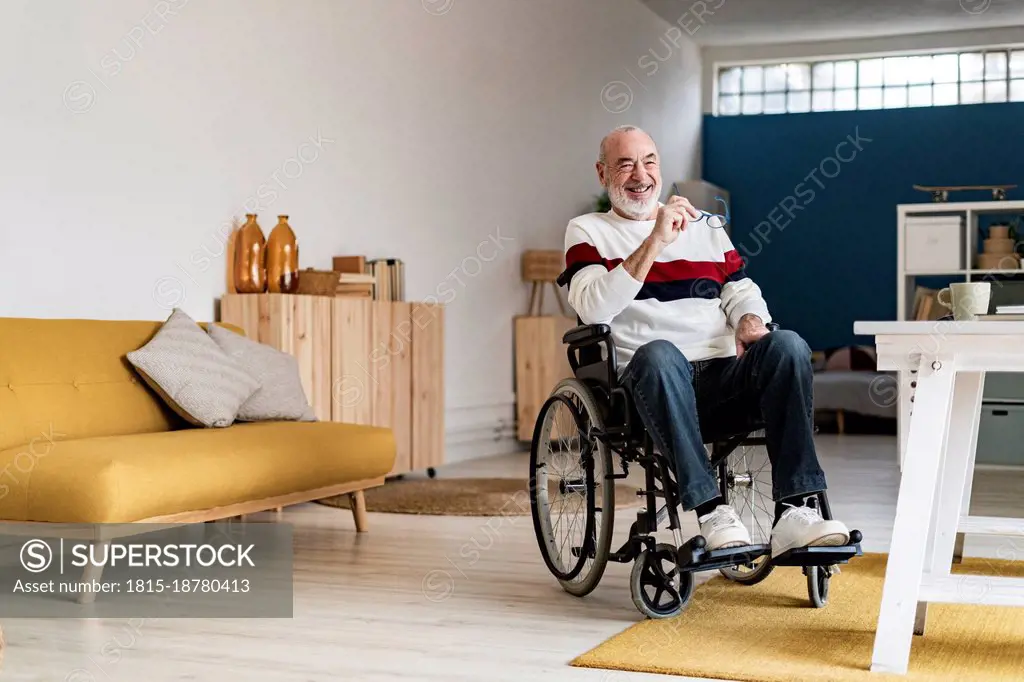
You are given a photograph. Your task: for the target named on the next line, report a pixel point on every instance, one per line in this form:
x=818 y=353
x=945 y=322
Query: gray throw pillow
x=192 y=374
x=280 y=396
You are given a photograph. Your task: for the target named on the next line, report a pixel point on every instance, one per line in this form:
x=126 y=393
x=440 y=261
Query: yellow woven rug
x=769 y=632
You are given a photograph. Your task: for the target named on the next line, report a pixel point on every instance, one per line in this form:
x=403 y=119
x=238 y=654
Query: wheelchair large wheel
x=572 y=500
x=748 y=484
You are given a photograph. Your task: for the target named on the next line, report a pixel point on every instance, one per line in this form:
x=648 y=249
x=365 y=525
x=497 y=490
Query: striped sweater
x=693 y=296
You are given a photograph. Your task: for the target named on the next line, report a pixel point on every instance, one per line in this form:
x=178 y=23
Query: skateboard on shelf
x=940 y=194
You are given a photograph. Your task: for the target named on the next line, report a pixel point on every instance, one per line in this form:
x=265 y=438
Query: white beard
x=636 y=210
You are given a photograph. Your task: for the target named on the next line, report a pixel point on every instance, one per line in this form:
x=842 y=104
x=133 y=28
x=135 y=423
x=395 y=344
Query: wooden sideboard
x=361 y=361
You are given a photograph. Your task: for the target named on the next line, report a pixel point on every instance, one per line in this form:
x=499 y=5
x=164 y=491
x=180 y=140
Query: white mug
x=967 y=300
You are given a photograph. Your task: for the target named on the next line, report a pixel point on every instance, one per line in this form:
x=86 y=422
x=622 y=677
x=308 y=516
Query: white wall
x=429 y=130
x=951 y=40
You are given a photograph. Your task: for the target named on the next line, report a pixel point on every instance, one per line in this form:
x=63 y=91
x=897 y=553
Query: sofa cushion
x=192 y=374
x=280 y=394
x=129 y=478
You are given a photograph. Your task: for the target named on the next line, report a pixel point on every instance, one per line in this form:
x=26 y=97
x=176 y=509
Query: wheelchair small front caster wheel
x=659 y=589
x=817 y=585
x=431 y=472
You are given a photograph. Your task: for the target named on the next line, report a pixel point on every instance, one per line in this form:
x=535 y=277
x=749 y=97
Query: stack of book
x=352 y=284
x=385 y=277
x=1006 y=313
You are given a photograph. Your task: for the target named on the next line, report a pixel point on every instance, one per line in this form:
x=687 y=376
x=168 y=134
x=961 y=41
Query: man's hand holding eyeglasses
x=672 y=219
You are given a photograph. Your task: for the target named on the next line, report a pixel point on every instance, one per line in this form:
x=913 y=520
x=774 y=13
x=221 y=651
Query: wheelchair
x=582 y=423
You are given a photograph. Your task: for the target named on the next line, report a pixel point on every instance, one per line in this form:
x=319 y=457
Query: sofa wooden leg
x=841 y=422
x=92 y=572
x=358 y=502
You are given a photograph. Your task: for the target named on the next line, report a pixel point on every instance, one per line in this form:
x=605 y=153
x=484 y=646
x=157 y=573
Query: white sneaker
x=722 y=528
x=804 y=527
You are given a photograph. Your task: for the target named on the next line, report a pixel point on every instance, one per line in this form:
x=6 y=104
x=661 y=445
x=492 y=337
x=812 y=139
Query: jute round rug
x=460 y=497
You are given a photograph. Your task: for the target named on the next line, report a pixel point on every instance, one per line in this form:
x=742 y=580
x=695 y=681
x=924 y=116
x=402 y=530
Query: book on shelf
x=389 y=278
x=1003 y=317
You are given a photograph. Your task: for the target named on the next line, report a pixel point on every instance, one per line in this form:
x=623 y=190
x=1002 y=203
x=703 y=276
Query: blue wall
x=823 y=249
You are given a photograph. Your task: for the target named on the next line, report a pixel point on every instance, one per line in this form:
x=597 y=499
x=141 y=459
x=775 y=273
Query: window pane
x=919 y=69
x=870 y=98
x=972 y=93
x=946 y=68
x=995 y=66
x=821 y=100
x=895 y=69
x=920 y=96
x=870 y=72
x=1017 y=91
x=972 y=66
x=895 y=98
x=947 y=93
x=995 y=91
x=775 y=78
x=729 y=105
x=846 y=100
x=799 y=76
x=729 y=81
x=1017 y=64
x=824 y=75
x=753 y=79
x=846 y=74
x=753 y=104
x=799 y=101
x=775 y=103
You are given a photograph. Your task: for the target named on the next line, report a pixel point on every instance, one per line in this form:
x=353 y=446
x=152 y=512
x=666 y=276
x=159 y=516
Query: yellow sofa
x=84 y=440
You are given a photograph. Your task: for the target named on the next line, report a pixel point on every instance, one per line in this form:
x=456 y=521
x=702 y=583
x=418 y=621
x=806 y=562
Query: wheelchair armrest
x=585 y=334
x=585 y=357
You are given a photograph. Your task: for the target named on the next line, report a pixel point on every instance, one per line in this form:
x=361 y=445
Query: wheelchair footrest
x=817 y=556
x=693 y=556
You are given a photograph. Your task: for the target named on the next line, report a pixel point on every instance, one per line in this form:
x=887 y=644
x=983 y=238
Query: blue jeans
x=678 y=401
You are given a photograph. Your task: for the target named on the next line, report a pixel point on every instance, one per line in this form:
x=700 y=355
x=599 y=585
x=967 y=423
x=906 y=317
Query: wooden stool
x=541 y=268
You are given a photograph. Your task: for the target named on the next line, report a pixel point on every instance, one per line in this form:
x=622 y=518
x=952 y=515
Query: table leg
x=910 y=533
x=965 y=504
x=956 y=467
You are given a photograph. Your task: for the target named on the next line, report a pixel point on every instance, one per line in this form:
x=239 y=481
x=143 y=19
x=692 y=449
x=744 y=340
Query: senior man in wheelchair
x=690 y=333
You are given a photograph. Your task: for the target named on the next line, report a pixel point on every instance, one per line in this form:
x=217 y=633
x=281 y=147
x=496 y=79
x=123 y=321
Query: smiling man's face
x=631 y=173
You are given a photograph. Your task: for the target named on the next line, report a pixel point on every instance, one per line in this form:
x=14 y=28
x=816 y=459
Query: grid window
x=891 y=82
x=1017 y=91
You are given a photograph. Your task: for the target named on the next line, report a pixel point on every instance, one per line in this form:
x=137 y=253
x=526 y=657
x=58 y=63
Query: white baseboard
x=470 y=450
x=481 y=425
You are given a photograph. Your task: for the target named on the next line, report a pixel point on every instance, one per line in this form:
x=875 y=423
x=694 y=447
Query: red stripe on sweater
x=669 y=271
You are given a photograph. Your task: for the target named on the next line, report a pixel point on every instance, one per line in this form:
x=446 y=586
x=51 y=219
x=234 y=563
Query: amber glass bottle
x=282 y=259
x=250 y=258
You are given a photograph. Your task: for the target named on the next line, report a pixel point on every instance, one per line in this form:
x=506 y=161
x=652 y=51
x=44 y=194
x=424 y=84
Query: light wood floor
x=428 y=598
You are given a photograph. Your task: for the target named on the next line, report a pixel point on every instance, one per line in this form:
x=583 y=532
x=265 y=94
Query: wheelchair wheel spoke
x=750 y=493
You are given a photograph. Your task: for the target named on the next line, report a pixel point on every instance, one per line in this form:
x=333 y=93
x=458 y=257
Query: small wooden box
x=542 y=266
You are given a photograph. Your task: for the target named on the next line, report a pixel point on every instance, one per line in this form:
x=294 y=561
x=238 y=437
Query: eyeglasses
x=715 y=220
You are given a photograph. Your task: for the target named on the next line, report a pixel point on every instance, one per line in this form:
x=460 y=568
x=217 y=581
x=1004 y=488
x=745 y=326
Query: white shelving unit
x=970 y=212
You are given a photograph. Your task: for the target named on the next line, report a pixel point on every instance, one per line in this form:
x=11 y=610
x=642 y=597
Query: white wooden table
x=949 y=361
